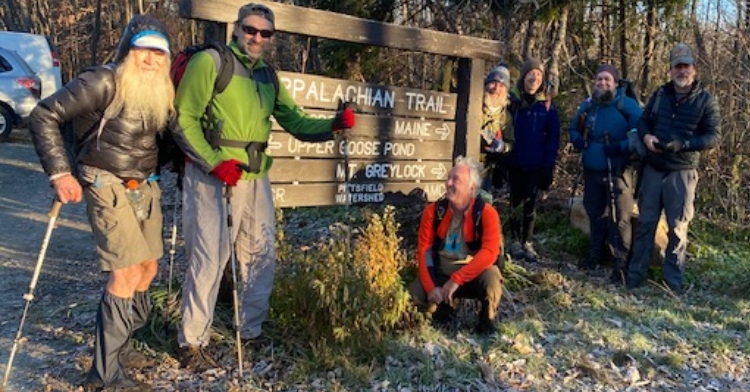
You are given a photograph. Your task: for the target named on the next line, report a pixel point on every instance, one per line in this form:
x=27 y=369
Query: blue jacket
x=615 y=118
x=537 y=132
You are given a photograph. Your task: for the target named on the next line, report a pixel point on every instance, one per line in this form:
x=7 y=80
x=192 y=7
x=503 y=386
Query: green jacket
x=244 y=109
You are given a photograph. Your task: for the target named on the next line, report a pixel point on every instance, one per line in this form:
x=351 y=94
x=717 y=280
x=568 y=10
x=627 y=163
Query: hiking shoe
x=530 y=253
x=133 y=359
x=123 y=384
x=196 y=358
x=485 y=327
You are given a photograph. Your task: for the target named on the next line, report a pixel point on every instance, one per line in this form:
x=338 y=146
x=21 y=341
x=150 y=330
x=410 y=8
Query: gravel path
x=69 y=272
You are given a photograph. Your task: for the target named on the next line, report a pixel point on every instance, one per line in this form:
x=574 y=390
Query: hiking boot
x=485 y=327
x=123 y=384
x=196 y=358
x=133 y=359
x=257 y=342
x=530 y=253
x=587 y=264
x=633 y=284
x=618 y=277
x=516 y=251
x=443 y=316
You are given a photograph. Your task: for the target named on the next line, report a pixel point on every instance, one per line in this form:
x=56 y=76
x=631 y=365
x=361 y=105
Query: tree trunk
x=649 y=45
x=623 y=30
x=529 y=39
x=553 y=69
x=18 y=15
x=97 y=33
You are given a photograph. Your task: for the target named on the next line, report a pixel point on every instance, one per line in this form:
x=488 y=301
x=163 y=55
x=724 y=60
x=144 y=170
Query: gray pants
x=674 y=192
x=207 y=247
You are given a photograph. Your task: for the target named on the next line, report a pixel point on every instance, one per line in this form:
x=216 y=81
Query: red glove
x=344 y=119
x=228 y=172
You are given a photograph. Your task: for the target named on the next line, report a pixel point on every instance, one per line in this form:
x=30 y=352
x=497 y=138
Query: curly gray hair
x=475 y=171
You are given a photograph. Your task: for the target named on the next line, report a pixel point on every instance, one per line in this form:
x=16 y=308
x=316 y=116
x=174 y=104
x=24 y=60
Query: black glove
x=545 y=178
x=611 y=150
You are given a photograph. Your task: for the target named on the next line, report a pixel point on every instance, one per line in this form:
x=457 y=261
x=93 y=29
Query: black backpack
x=441 y=207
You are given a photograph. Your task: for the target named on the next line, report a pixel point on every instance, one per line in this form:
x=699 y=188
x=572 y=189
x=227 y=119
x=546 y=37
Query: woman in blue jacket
x=532 y=160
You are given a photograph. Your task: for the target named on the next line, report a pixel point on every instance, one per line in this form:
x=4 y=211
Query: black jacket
x=125 y=147
x=694 y=118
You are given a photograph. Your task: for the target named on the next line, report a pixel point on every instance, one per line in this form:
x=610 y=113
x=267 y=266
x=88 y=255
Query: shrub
x=328 y=297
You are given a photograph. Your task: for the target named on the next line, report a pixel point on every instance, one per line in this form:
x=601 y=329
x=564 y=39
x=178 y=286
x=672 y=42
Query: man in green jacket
x=237 y=159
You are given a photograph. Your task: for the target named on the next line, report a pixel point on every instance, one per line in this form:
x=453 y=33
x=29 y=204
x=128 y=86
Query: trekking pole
x=612 y=201
x=173 y=243
x=54 y=212
x=577 y=180
x=235 y=296
x=347 y=201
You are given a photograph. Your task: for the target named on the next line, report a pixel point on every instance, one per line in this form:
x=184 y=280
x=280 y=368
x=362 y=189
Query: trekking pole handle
x=606 y=138
x=54 y=210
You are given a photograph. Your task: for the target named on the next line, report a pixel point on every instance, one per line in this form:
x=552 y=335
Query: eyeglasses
x=250 y=30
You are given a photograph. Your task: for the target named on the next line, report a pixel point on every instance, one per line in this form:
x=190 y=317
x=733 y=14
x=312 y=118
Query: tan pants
x=121 y=239
x=487 y=287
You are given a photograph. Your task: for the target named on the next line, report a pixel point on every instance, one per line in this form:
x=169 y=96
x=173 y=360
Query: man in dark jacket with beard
x=680 y=120
x=116 y=112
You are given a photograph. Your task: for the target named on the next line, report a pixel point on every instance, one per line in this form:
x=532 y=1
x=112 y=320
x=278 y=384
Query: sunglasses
x=250 y=30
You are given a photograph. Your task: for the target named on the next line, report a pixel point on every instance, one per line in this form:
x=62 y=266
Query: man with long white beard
x=497 y=127
x=116 y=112
x=680 y=120
x=600 y=131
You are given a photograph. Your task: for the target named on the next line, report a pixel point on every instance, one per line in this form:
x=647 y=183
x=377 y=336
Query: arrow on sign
x=443 y=131
x=440 y=171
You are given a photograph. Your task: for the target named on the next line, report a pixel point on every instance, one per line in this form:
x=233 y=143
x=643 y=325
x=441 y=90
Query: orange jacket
x=492 y=237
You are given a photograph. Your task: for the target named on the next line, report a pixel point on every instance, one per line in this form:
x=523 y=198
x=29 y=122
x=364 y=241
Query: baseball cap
x=681 y=54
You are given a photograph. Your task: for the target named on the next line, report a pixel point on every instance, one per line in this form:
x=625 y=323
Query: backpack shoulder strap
x=441 y=207
x=476 y=215
x=224 y=66
x=657 y=102
x=274 y=80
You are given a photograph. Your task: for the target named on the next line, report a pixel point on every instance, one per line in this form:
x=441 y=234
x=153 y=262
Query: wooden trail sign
x=404 y=140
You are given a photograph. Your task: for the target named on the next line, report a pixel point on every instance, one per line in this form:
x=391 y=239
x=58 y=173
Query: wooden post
x=469 y=107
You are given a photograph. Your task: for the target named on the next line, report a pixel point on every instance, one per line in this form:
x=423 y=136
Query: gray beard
x=603 y=96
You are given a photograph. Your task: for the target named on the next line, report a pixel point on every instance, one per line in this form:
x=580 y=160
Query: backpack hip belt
x=255 y=151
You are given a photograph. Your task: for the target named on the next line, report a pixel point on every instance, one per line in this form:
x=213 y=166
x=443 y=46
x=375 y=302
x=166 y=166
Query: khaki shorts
x=121 y=239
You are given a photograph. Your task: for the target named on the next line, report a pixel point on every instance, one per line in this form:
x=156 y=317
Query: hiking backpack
x=441 y=207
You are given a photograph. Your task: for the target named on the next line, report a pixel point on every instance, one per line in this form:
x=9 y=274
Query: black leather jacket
x=694 y=118
x=125 y=147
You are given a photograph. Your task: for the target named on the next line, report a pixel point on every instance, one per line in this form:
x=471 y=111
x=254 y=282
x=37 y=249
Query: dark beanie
x=529 y=65
x=498 y=74
x=609 y=68
x=140 y=25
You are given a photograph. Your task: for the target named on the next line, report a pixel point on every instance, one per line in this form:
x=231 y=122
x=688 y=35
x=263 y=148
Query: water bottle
x=136 y=199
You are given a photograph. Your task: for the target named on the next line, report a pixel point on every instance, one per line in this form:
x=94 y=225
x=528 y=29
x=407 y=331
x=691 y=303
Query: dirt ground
x=49 y=353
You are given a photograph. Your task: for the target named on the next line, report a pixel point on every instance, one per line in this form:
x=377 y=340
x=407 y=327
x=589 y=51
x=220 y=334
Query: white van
x=39 y=53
